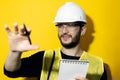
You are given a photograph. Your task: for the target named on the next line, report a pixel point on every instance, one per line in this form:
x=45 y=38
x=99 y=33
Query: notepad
x=68 y=69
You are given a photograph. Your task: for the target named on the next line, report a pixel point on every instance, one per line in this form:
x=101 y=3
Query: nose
x=65 y=29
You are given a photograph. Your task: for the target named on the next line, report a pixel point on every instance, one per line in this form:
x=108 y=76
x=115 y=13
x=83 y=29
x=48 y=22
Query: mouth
x=65 y=37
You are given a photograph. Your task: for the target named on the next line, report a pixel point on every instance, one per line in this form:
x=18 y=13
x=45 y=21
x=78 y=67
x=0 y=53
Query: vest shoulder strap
x=96 y=67
x=50 y=64
x=47 y=60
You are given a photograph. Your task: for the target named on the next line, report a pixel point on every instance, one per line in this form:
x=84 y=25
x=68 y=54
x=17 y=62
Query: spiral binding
x=74 y=61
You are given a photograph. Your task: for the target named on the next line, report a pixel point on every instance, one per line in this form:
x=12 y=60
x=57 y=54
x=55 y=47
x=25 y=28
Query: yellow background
x=102 y=38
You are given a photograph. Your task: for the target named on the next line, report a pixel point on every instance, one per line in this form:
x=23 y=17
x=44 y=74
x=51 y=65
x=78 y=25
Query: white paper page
x=70 y=68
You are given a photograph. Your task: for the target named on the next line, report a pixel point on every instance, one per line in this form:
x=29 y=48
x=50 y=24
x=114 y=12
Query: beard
x=75 y=40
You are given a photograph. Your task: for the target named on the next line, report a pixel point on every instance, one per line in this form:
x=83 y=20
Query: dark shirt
x=32 y=66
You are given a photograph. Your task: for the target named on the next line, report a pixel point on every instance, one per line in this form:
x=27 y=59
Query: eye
x=59 y=25
x=72 y=24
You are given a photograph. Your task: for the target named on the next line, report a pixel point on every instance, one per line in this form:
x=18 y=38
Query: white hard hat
x=70 y=12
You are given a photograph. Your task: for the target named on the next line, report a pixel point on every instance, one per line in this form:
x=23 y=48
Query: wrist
x=15 y=52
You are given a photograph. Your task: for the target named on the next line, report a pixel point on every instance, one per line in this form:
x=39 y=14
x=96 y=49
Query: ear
x=83 y=30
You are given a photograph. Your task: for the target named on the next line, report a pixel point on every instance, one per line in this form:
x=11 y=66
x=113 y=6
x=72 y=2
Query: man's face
x=69 y=34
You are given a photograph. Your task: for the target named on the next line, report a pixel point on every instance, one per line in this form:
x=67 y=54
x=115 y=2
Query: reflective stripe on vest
x=95 y=69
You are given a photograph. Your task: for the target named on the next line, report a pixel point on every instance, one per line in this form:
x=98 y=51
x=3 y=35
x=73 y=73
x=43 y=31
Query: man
x=71 y=23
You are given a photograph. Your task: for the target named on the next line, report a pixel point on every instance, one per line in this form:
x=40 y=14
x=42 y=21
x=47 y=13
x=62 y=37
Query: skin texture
x=80 y=78
x=69 y=36
x=19 y=42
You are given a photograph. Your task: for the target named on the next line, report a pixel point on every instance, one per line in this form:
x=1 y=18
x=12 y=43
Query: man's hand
x=80 y=78
x=19 y=40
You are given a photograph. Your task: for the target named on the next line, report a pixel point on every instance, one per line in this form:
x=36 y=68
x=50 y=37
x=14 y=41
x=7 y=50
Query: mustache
x=65 y=35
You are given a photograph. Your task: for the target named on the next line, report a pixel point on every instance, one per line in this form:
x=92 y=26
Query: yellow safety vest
x=95 y=69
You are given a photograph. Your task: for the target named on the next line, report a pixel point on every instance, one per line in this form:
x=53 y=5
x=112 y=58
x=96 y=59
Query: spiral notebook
x=68 y=69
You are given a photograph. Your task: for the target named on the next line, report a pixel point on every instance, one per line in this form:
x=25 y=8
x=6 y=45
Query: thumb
x=80 y=78
x=33 y=47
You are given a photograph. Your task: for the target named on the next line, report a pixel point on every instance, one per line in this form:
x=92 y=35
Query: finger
x=26 y=31
x=29 y=31
x=22 y=30
x=33 y=47
x=7 y=29
x=28 y=34
x=15 y=28
x=79 y=78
